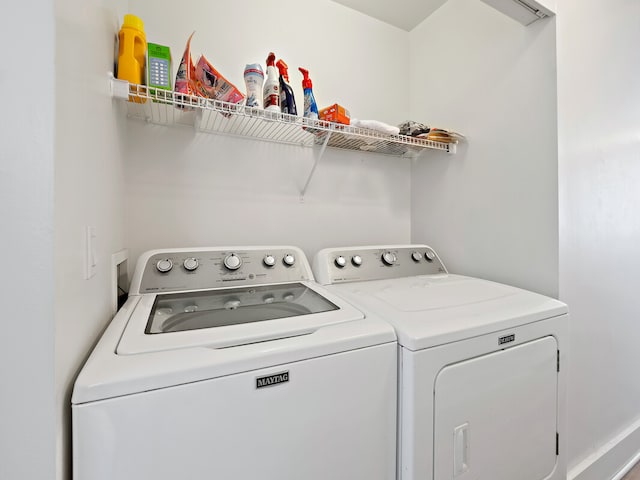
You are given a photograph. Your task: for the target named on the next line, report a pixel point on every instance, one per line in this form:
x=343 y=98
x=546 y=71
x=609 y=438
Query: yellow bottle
x=132 y=48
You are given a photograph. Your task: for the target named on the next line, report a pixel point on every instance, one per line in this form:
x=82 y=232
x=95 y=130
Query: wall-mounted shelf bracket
x=318 y=155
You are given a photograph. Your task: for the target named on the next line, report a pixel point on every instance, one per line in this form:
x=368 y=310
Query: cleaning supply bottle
x=287 y=100
x=132 y=47
x=271 y=93
x=310 y=106
x=254 y=79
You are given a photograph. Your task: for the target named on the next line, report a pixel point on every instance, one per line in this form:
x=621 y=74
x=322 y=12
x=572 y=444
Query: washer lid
x=432 y=310
x=229 y=317
x=181 y=312
x=303 y=322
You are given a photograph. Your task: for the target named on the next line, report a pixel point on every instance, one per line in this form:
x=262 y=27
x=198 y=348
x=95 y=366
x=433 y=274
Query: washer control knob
x=232 y=262
x=389 y=258
x=190 y=264
x=430 y=255
x=356 y=260
x=269 y=298
x=269 y=260
x=340 y=262
x=232 y=304
x=416 y=256
x=289 y=260
x=164 y=265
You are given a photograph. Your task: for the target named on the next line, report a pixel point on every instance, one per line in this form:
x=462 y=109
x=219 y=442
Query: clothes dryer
x=481 y=365
x=231 y=363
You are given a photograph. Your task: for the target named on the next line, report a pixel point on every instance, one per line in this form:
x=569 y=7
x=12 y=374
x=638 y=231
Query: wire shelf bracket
x=316 y=160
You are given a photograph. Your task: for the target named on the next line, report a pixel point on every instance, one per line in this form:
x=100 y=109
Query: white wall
x=490 y=210
x=27 y=427
x=88 y=191
x=550 y=4
x=599 y=175
x=186 y=189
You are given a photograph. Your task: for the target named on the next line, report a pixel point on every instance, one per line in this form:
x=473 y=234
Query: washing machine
x=481 y=365
x=231 y=363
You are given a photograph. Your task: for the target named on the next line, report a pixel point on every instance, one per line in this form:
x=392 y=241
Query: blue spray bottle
x=310 y=106
x=287 y=100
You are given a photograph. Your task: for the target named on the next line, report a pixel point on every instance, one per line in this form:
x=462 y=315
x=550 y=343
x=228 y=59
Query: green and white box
x=159 y=70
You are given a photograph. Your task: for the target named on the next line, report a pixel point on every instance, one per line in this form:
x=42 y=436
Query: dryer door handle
x=460 y=449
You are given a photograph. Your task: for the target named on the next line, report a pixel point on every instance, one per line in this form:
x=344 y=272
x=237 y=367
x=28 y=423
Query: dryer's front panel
x=495 y=415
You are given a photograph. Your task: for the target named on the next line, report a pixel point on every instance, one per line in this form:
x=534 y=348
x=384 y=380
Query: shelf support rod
x=197 y=121
x=318 y=156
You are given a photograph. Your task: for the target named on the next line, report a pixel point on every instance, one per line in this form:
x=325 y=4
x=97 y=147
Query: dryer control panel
x=175 y=270
x=357 y=264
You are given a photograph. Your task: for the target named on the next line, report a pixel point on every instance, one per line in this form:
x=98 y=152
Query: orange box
x=335 y=113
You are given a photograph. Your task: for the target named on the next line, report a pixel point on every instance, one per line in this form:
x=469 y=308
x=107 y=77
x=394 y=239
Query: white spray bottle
x=272 y=86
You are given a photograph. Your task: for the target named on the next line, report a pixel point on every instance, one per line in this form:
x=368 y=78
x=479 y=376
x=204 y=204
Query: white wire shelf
x=164 y=107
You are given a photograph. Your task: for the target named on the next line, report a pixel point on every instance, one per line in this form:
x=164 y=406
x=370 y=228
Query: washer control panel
x=174 y=270
x=356 y=264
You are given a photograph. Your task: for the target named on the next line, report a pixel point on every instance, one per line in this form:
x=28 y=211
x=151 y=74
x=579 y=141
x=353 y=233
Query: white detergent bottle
x=254 y=79
x=272 y=86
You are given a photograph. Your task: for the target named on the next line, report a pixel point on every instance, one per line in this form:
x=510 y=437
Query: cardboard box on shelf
x=335 y=113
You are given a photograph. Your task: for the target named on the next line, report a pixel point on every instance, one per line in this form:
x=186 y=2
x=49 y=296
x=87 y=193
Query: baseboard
x=613 y=460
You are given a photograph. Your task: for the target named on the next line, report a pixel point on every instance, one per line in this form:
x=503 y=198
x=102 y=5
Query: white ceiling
x=405 y=14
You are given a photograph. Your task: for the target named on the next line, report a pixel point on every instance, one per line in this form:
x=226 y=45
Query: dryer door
x=495 y=415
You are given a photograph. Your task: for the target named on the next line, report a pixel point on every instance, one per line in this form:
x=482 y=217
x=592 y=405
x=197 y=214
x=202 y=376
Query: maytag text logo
x=506 y=339
x=271 y=380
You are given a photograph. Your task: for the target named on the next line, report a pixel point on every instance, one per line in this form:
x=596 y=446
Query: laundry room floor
x=634 y=474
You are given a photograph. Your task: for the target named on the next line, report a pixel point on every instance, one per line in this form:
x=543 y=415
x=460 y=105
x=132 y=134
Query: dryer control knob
x=416 y=256
x=430 y=255
x=356 y=260
x=389 y=258
x=340 y=261
x=289 y=260
x=164 y=265
x=232 y=262
x=190 y=264
x=269 y=260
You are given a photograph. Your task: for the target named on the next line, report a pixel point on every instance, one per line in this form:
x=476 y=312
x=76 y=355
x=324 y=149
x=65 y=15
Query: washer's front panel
x=332 y=417
x=495 y=415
